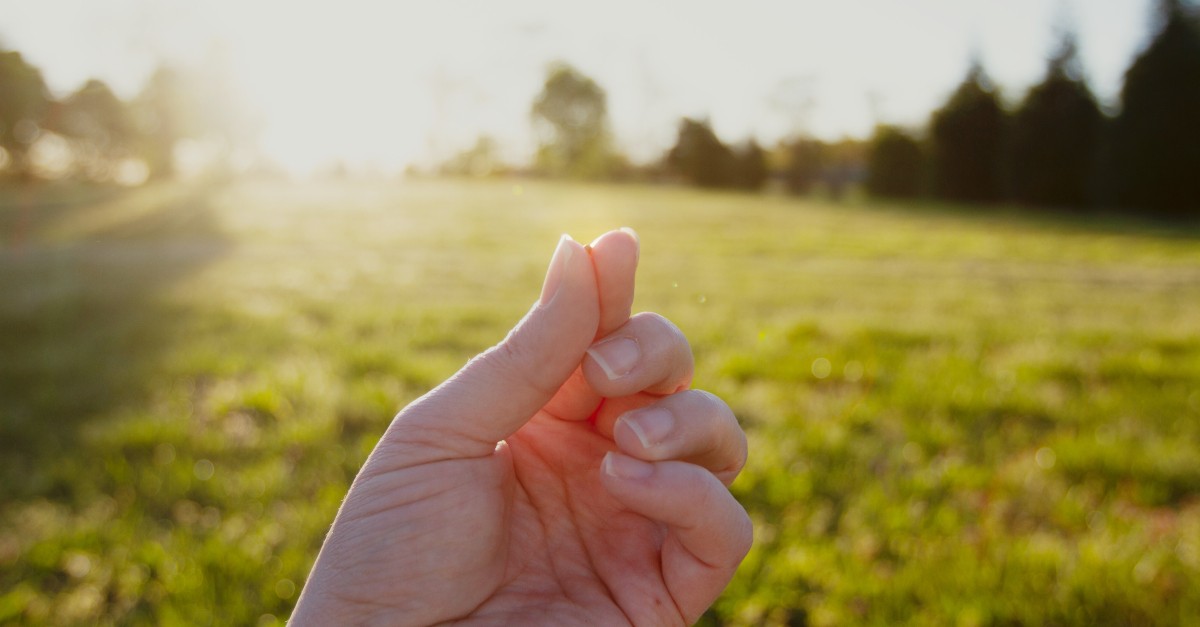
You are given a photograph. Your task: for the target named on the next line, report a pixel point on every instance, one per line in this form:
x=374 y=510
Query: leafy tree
x=570 y=116
x=967 y=137
x=700 y=157
x=750 y=166
x=23 y=104
x=845 y=164
x=199 y=103
x=894 y=164
x=100 y=128
x=1157 y=134
x=805 y=165
x=164 y=116
x=482 y=159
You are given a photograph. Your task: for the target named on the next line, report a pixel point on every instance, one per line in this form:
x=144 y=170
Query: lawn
x=956 y=416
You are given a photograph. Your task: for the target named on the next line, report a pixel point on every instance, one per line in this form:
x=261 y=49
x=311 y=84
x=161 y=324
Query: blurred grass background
x=954 y=418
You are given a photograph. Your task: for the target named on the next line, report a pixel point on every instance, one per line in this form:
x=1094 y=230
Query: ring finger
x=692 y=426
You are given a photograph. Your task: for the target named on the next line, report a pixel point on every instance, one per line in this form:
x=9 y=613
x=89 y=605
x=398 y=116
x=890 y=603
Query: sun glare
x=326 y=94
x=382 y=85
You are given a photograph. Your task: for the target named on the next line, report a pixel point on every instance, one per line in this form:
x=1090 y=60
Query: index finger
x=615 y=258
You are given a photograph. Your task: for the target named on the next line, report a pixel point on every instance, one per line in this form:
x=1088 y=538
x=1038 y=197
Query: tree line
x=1057 y=148
x=92 y=134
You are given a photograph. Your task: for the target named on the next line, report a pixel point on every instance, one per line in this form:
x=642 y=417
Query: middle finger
x=646 y=354
x=692 y=426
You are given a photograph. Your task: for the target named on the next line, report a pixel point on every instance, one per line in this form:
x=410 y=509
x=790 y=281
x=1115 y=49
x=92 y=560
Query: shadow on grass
x=82 y=321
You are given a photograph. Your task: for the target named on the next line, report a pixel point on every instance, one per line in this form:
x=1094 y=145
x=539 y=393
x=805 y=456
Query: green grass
x=955 y=417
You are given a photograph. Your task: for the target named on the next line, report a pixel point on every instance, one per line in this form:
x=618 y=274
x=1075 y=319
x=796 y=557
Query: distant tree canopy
x=1156 y=137
x=894 y=164
x=750 y=167
x=1055 y=137
x=570 y=116
x=966 y=141
x=24 y=101
x=164 y=117
x=805 y=164
x=92 y=134
x=482 y=159
x=100 y=127
x=700 y=157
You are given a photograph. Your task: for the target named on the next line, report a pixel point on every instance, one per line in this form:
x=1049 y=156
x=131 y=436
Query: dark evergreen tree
x=1156 y=138
x=1055 y=137
x=894 y=164
x=966 y=142
x=700 y=157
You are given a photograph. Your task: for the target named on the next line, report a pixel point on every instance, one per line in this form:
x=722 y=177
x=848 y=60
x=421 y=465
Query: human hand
x=565 y=476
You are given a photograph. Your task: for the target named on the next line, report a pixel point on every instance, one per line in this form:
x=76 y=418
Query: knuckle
x=649 y=318
x=709 y=401
x=723 y=420
x=510 y=362
x=658 y=324
x=743 y=535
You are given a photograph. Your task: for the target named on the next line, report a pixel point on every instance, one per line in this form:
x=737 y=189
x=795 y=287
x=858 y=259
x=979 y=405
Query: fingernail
x=616 y=356
x=558 y=267
x=651 y=426
x=624 y=467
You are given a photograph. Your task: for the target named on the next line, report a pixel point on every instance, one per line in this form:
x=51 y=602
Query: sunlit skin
x=536 y=486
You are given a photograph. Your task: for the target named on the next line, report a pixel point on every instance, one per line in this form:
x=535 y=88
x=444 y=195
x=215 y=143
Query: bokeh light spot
x=164 y=454
x=284 y=588
x=853 y=371
x=203 y=469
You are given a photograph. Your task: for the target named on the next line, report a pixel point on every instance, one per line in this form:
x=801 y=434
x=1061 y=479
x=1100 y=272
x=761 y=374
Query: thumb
x=501 y=389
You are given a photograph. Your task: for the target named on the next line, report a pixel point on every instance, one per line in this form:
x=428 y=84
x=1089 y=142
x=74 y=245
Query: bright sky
x=383 y=84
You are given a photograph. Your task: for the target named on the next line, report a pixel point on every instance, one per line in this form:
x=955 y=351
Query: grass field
x=954 y=418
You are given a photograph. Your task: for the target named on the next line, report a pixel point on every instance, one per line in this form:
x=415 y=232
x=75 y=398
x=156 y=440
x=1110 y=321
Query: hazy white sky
x=387 y=83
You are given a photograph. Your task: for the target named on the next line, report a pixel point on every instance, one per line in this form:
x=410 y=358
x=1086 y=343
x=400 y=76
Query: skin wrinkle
x=575 y=383
x=414 y=443
x=589 y=552
x=520 y=496
x=581 y=542
x=386 y=487
x=541 y=516
x=589 y=545
x=671 y=594
x=508 y=354
x=549 y=616
x=440 y=508
x=683 y=547
x=663 y=582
